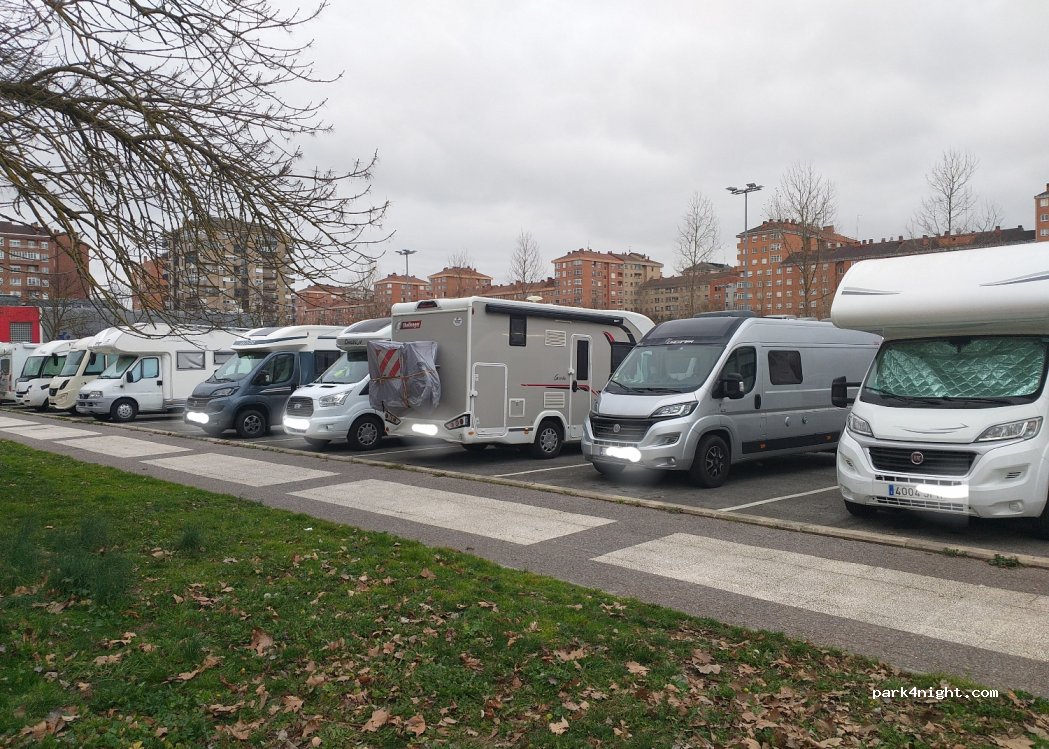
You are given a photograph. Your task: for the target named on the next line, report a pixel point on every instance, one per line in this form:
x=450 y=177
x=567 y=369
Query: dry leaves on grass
x=260 y=642
x=416 y=724
x=559 y=727
x=379 y=719
x=636 y=668
x=209 y=662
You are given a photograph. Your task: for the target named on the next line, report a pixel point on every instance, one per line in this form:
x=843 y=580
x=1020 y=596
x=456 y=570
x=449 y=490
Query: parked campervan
x=951 y=417
x=152 y=369
x=13 y=357
x=248 y=392
x=520 y=373
x=44 y=363
x=335 y=405
x=81 y=367
x=704 y=393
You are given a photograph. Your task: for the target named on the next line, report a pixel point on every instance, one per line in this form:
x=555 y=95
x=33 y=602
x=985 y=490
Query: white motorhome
x=153 y=369
x=249 y=392
x=47 y=360
x=519 y=373
x=951 y=417
x=704 y=393
x=81 y=367
x=335 y=405
x=13 y=357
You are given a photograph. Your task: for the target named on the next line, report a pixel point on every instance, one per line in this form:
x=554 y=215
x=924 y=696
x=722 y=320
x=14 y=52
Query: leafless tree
x=952 y=206
x=526 y=265
x=807 y=200
x=698 y=237
x=163 y=133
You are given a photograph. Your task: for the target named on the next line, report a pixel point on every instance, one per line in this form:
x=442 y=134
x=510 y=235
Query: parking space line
x=778 y=499
x=409 y=450
x=538 y=470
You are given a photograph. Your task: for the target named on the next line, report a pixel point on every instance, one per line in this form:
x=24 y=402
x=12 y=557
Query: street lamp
x=745 y=191
x=406 y=253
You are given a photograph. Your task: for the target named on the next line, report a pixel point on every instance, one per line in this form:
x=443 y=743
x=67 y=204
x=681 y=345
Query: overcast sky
x=590 y=124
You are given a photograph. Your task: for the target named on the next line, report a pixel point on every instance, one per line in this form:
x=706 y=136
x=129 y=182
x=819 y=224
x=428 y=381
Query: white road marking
x=6 y=422
x=1004 y=621
x=539 y=470
x=778 y=499
x=122 y=447
x=238 y=470
x=407 y=450
x=493 y=518
x=48 y=432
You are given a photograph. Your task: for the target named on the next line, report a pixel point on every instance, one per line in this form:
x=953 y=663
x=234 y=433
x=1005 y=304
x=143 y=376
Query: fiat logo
x=917 y=458
x=616 y=428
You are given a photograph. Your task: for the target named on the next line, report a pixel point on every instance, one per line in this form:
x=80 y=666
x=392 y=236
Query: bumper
x=667 y=446
x=34 y=397
x=63 y=400
x=96 y=406
x=1009 y=480
x=216 y=415
x=318 y=427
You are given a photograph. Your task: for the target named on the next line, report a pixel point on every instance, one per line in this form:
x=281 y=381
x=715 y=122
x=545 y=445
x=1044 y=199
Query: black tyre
x=549 y=440
x=1041 y=524
x=102 y=417
x=608 y=469
x=366 y=433
x=475 y=447
x=314 y=442
x=860 y=511
x=124 y=410
x=251 y=423
x=43 y=407
x=710 y=468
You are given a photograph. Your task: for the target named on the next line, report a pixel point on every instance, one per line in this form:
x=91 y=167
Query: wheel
x=102 y=417
x=43 y=407
x=608 y=469
x=366 y=433
x=710 y=468
x=858 y=510
x=251 y=423
x=1041 y=524
x=314 y=442
x=124 y=410
x=548 y=440
x=475 y=447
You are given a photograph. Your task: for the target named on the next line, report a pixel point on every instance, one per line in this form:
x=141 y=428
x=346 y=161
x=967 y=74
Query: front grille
x=921 y=504
x=934 y=462
x=83 y=397
x=299 y=407
x=620 y=429
x=195 y=404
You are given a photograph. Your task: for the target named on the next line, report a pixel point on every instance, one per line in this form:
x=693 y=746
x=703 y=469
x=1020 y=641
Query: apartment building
x=545 y=290
x=633 y=274
x=1041 y=215
x=702 y=289
x=400 y=288
x=602 y=280
x=36 y=266
x=451 y=283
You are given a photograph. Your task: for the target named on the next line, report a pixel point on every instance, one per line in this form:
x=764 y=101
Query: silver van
x=703 y=393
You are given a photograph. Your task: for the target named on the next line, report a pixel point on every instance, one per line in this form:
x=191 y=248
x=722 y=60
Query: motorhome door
x=144 y=383
x=489 y=396
x=580 y=395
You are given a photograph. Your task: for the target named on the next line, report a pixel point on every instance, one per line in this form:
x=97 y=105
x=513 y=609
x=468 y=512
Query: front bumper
x=318 y=426
x=63 y=400
x=95 y=406
x=34 y=397
x=1007 y=480
x=668 y=445
x=214 y=414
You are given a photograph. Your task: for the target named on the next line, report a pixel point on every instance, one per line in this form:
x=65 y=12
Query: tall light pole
x=406 y=253
x=745 y=191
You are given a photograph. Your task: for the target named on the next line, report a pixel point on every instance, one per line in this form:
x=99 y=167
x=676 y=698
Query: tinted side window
x=150 y=368
x=619 y=351
x=785 y=367
x=283 y=367
x=582 y=359
x=744 y=362
x=518 y=330
x=324 y=359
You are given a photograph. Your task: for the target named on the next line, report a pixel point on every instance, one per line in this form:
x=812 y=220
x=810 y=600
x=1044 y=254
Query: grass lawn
x=134 y=612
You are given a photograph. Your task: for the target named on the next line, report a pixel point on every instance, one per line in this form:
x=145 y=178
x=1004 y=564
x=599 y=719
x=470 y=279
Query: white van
x=153 y=369
x=951 y=417
x=509 y=372
x=335 y=405
x=81 y=367
x=13 y=357
x=704 y=393
x=47 y=360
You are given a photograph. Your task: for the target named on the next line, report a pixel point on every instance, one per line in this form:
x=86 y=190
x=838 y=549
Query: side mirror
x=730 y=386
x=839 y=392
x=130 y=377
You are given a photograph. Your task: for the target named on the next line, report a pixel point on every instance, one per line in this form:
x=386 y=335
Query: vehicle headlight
x=1013 y=430
x=95 y=394
x=333 y=400
x=858 y=425
x=223 y=392
x=595 y=406
x=674 y=409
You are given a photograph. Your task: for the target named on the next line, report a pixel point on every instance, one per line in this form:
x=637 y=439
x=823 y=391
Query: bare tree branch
x=952 y=206
x=526 y=265
x=698 y=237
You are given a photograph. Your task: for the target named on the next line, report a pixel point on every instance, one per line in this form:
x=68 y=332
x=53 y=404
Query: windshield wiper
x=660 y=390
x=973 y=400
x=912 y=399
x=617 y=383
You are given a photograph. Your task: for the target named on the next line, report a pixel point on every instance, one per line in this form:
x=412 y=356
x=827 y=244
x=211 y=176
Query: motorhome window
x=518 y=330
x=785 y=367
x=582 y=359
x=32 y=366
x=239 y=367
x=280 y=368
x=967 y=372
x=52 y=365
x=150 y=368
x=324 y=359
x=221 y=357
x=744 y=362
x=97 y=364
x=350 y=368
x=652 y=370
x=72 y=365
x=619 y=351
x=118 y=366
x=189 y=360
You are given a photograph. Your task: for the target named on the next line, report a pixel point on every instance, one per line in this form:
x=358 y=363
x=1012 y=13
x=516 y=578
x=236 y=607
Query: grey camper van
x=703 y=393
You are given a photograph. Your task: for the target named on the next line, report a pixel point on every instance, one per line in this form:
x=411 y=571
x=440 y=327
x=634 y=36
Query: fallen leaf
x=292 y=704
x=427 y=574
x=636 y=668
x=416 y=724
x=570 y=655
x=377 y=721
x=105 y=660
x=1007 y=742
x=260 y=641
x=559 y=727
x=710 y=668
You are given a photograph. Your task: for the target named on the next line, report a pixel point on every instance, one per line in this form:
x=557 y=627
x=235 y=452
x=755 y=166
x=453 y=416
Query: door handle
x=159 y=383
x=575 y=386
x=757 y=401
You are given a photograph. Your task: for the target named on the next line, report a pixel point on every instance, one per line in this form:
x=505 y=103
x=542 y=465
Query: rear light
x=458 y=422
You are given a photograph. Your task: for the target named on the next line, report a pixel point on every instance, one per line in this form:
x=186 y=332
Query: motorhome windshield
x=957 y=372
x=351 y=367
x=666 y=368
x=52 y=365
x=239 y=367
x=72 y=365
x=117 y=368
x=32 y=367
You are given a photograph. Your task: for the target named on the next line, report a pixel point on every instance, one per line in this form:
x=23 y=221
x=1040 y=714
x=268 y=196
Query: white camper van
x=519 y=373
x=13 y=357
x=47 y=360
x=81 y=367
x=951 y=417
x=721 y=388
x=153 y=370
x=335 y=405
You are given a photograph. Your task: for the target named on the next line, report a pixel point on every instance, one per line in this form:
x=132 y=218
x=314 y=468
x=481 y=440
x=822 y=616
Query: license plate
x=910 y=492
x=196 y=418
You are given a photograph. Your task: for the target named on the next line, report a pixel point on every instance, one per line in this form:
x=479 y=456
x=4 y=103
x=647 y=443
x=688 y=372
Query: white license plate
x=910 y=491
x=196 y=418
x=293 y=423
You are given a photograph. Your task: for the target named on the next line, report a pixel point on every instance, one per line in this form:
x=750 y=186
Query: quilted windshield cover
x=992 y=367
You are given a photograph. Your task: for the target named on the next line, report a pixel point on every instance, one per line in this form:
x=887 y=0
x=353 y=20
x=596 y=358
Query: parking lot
x=799 y=489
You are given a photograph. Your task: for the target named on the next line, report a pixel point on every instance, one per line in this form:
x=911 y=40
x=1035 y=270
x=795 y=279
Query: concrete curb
x=848 y=534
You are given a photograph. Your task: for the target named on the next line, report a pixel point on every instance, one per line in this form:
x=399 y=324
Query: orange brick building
x=451 y=283
x=36 y=266
x=1041 y=216
x=602 y=280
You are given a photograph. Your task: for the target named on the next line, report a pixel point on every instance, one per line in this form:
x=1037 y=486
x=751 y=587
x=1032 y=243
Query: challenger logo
x=410 y=324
